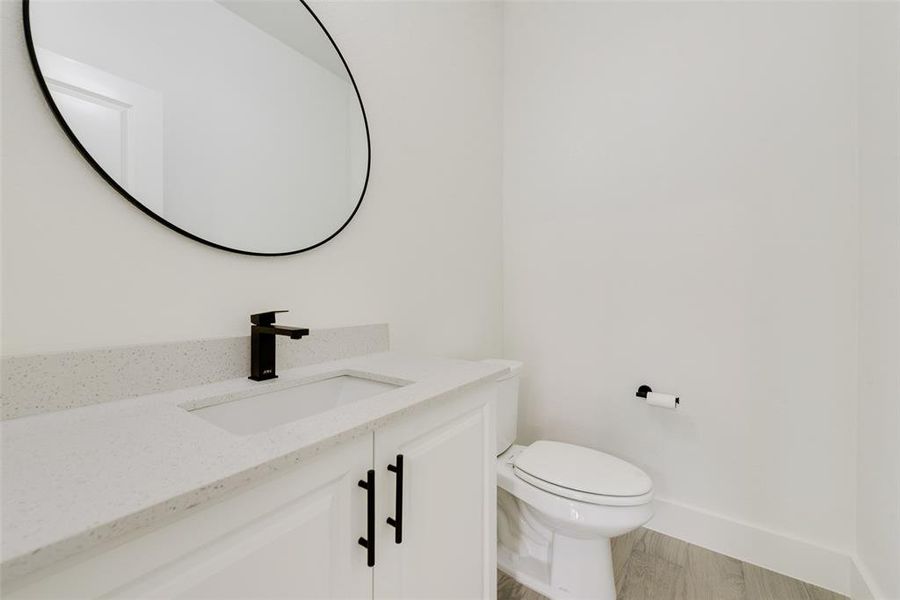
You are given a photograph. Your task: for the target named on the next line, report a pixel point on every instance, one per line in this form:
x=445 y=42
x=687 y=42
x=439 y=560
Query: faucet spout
x=295 y=333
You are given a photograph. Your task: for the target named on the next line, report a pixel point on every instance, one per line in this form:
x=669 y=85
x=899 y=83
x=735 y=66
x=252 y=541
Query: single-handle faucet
x=262 y=343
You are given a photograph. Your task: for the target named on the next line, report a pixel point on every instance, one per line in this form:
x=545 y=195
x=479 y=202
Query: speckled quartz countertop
x=76 y=478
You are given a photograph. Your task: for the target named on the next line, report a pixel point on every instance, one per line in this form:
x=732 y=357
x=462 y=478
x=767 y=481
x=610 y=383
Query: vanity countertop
x=76 y=478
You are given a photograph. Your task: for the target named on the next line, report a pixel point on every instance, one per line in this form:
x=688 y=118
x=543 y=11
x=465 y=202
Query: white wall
x=680 y=210
x=878 y=493
x=83 y=268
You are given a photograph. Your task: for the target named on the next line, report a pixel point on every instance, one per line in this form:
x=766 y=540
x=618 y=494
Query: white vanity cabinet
x=448 y=543
x=296 y=535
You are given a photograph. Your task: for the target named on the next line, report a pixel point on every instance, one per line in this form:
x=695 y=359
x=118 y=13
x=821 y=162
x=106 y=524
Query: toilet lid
x=582 y=470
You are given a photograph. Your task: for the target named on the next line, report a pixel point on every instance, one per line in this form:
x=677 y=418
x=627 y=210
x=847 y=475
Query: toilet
x=558 y=505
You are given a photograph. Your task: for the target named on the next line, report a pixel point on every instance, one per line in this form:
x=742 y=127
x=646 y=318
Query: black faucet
x=262 y=343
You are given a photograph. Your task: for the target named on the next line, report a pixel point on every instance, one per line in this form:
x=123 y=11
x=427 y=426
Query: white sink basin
x=265 y=410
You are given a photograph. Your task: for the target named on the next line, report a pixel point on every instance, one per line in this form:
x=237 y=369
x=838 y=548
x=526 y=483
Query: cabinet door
x=448 y=545
x=293 y=536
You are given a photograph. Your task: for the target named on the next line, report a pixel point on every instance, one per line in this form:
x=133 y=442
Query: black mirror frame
x=26 y=18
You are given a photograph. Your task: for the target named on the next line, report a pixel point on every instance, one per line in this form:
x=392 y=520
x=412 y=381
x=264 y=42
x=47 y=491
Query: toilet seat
x=608 y=516
x=598 y=499
x=582 y=474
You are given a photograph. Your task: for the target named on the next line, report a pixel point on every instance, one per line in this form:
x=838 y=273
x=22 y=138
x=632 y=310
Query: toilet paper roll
x=662 y=400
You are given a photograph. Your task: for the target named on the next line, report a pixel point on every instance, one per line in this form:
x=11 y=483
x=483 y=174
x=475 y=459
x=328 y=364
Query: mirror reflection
x=235 y=121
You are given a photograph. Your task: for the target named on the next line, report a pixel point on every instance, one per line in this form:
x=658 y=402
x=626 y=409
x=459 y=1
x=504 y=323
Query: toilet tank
x=507 y=403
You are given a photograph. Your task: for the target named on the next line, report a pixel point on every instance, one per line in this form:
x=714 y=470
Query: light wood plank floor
x=653 y=566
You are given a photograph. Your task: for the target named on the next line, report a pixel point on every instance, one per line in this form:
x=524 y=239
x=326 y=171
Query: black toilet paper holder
x=645 y=389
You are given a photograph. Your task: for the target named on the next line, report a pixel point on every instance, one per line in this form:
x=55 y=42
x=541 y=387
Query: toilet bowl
x=558 y=505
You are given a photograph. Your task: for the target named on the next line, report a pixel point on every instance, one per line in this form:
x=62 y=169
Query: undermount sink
x=268 y=409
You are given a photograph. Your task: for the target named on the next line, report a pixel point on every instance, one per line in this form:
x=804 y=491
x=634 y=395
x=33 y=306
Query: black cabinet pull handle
x=397 y=521
x=368 y=542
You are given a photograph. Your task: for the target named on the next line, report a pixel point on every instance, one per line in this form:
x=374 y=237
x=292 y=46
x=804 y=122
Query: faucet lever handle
x=265 y=318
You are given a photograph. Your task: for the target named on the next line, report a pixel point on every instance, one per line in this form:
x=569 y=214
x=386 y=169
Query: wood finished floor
x=653 y=566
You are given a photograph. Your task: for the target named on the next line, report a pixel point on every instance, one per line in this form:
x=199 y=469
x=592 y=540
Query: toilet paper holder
x=645 y=389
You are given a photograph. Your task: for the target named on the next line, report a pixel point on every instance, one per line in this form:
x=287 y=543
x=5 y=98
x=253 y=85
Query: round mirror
x=234 y=122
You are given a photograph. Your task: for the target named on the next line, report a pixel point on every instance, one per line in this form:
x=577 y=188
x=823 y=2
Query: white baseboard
x=824 y=567
x=862 y=584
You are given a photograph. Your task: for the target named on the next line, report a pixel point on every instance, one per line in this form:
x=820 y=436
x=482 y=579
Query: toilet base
x=555 y=565
x=581 y=569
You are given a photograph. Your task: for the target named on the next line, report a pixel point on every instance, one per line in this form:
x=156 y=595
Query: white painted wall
x=878 y=492
x=83 y=268
x=680 y=209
